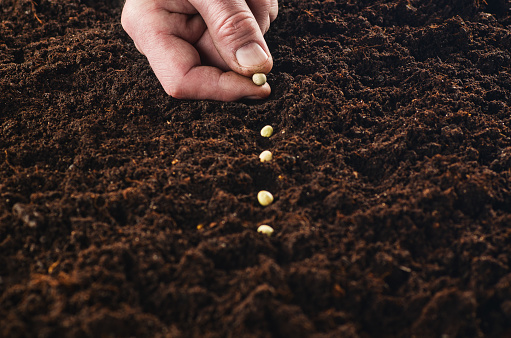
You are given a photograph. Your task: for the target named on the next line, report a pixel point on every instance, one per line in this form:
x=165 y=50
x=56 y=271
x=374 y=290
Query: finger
x=206 y=47
x=261 y=10
x=177 y=65
x=208 y=52
x=236 y=35
x=173 y=6
x=274 y=10
x=205 y=82
x=144 y=25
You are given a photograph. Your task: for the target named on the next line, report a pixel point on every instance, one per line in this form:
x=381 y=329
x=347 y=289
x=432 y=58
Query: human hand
x=204 y=49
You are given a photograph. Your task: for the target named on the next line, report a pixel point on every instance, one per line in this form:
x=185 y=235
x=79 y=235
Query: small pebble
x=267 y=131
x=265 y=229
x=266 y=156
x=27 y=215
x=259 y=79
x=265 y=198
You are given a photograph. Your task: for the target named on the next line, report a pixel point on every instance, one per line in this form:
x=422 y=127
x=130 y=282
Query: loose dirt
x=125 y=212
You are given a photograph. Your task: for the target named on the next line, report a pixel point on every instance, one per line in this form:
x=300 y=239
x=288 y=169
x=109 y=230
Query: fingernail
x=251 y=55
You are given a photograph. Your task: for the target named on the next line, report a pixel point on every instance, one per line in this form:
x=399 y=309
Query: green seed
x=265 y=229
x=265 y=198
x=259 y=79
x=267 y=131
x=266 y=156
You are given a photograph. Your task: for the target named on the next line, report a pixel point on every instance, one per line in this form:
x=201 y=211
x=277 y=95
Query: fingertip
x=263 y=93
x=265 y=90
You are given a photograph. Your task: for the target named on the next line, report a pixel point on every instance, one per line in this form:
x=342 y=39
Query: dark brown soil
x=124 y=212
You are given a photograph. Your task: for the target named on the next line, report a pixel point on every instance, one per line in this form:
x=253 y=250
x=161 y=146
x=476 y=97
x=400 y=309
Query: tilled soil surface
x=125 y=212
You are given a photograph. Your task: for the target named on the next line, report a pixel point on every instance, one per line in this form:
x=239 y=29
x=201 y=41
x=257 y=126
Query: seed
x=265 y=229
x=259 y=79
x=265 y=198
x=266 y=156
x=267 y=131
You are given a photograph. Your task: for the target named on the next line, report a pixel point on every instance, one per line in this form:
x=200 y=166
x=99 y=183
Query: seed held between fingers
x=266 y=156
x=265 y=198
x=267 y=131
x=265 y=229
x=259 y=79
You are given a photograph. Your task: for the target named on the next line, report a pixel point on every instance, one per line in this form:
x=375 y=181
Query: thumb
x=236 y=35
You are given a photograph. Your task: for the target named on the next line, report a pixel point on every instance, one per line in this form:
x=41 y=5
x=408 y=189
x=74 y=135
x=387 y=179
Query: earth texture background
x=125 y=212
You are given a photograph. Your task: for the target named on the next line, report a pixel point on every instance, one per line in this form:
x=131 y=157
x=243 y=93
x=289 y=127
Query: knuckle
x=127 y=18
x=274 y=9
x=175 y=92
x=274 y=12
x=177 y=86
x=265 y=27
x=236 y=26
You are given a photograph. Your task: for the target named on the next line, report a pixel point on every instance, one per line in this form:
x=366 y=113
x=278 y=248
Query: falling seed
x=266 y=156
x=265 y=198
x=265 y=229
x=259 y=79
x=267 y=131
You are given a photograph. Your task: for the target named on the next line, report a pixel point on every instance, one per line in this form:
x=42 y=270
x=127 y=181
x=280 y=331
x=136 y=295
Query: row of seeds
x=264 y=197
